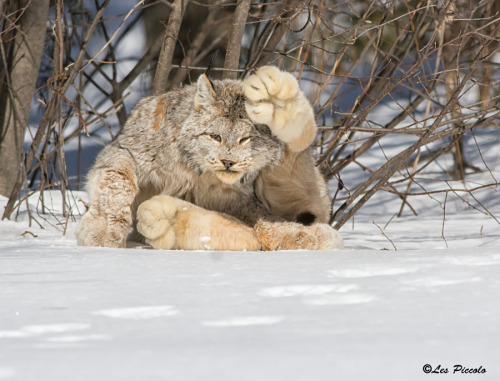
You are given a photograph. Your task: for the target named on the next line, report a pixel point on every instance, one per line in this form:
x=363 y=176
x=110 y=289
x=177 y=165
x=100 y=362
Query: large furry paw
x=154 y=222
x=266 y=91
x=295 y=236
x=273 y=97
x=170 y=223
x=96 y=230
x=328 y=237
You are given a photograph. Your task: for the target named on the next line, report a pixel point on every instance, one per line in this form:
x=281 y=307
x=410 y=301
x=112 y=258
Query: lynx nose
x=227 y=163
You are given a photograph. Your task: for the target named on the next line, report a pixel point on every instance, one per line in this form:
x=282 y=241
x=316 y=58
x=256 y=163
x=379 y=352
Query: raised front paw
x=154 y=222
x=273 y=98
x=269 y=88
x=270 y=83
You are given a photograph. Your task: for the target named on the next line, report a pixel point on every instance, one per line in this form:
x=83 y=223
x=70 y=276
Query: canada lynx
x=220 y=165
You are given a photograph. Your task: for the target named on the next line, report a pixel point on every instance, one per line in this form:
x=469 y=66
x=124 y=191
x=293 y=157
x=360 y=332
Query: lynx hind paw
x=328 y=237
x=154 y=219
x=294 y=236
x=269 y=82
x=284 y=236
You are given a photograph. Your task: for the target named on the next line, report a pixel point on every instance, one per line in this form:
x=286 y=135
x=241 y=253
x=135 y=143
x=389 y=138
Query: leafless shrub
x=420 y=58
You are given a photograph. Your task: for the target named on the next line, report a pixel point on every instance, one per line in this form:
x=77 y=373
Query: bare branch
x=233 y=47
x=168 y=45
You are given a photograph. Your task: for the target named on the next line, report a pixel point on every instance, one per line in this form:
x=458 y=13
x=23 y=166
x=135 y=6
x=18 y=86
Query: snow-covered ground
x=95 y=314
x=367 y=312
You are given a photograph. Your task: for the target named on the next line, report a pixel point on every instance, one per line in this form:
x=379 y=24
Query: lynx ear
x=205 y=93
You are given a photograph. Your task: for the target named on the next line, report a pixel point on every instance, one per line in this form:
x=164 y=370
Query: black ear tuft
x=306 y=218
x=210 y=64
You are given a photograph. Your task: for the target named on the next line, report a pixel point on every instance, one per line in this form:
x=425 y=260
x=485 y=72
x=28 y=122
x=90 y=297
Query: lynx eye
x=217 y=138
x=244 y=140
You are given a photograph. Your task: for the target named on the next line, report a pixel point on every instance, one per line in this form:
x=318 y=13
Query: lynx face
x=220 y=137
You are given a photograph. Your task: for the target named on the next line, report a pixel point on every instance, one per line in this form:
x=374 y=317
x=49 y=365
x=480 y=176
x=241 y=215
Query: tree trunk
x=21 y=64
x=234 y=43
x=168 y=46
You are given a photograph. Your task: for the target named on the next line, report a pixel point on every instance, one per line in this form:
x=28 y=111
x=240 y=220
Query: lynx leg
x=295 y=189
x=295 y=236
x=108 y=220
x=171 y=223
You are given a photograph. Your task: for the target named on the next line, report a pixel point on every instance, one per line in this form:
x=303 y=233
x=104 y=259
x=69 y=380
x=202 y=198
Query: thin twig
x=385 y=235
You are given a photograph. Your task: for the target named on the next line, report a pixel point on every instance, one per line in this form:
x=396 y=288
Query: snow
x=366 y=312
